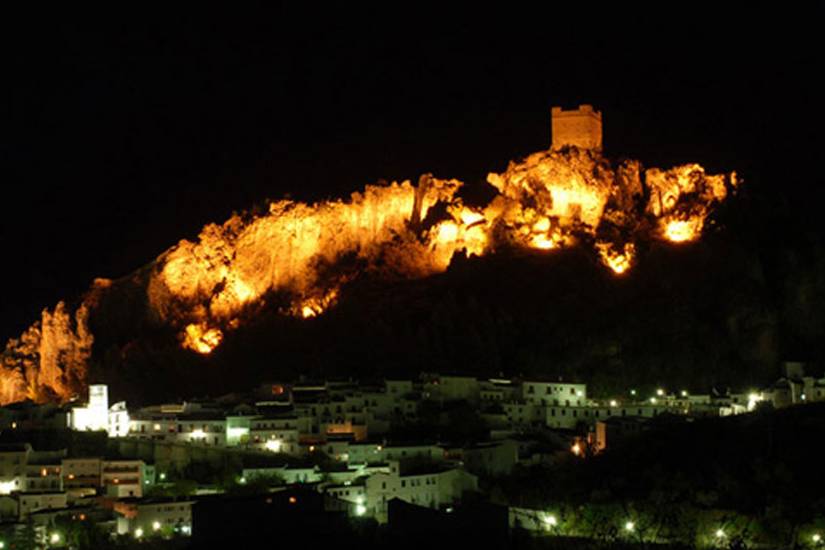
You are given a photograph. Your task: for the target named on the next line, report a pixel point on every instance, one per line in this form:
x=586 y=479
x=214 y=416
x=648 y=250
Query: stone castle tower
x=581 y=127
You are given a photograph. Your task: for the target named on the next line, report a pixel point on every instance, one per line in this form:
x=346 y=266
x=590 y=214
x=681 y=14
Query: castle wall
x=581 y=127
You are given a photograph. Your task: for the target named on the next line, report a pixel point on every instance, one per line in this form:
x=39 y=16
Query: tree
x=81 y=533
x=25 y=537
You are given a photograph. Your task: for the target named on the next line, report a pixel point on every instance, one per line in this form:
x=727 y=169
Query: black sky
x=120 y=137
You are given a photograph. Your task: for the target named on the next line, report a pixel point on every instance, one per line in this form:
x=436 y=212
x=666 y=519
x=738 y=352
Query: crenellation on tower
x=581 y=127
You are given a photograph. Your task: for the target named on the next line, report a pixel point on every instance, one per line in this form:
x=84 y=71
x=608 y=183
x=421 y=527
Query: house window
x=572 y=391
x=529 y=389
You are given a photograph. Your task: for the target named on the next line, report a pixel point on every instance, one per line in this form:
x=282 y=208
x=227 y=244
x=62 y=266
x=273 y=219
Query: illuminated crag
x=48 y=361
x=305 y=254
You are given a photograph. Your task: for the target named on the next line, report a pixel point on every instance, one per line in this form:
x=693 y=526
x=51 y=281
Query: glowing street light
x=273 y=445
x=613 y=403
x=138 y=532
x=162 y=476
x=550 y=520
x=632 y=392
x=720 y=533
x=660 y=392
x=684 y=393
x=55 y=538
x=753 y=399
x=653 y=400
x=155 y=525
x=360 y=509
x=629 y=526
x=816 y=538
x=242 y=480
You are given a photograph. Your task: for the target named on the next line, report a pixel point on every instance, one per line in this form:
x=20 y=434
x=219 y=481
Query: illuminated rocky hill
x=566 y=222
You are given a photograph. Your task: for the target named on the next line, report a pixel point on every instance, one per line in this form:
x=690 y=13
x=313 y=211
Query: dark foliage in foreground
x=755 y=474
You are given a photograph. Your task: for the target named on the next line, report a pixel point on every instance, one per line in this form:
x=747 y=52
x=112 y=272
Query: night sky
x=119 y=138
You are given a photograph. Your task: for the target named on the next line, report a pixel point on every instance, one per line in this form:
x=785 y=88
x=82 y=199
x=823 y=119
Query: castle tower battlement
x=581 y=127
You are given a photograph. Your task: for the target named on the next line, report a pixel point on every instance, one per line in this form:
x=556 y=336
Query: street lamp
x=629 y=526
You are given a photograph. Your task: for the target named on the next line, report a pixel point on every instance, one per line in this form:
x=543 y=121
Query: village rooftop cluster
x=340 y=440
